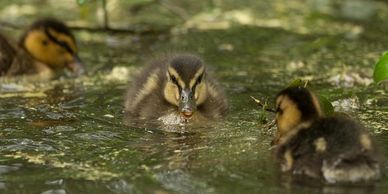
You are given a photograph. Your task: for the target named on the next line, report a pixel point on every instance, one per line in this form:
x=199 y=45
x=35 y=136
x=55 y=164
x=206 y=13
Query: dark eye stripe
x=175 y=81
x=59 y=42
x=198 y=81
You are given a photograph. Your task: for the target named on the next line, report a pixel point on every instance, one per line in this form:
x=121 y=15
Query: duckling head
x=186 y=86
x=51 y=42
x=295 y=106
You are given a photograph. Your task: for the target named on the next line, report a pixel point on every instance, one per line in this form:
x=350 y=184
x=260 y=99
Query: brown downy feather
x=153 y=95
x=336 y=149
x=47 y=46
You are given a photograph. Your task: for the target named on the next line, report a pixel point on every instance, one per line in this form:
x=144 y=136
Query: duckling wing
x=14 y=60
x=339 y=150
x=144 y=97
x=299 y=155
x=7 y=54
x=351 y=154
x=216 y=105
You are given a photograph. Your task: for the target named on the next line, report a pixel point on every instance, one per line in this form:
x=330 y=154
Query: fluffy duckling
x=47 y=46
x=336 y=148
x=175 y=89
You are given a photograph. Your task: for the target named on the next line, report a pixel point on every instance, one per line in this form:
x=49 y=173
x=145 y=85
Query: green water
x=68 y=136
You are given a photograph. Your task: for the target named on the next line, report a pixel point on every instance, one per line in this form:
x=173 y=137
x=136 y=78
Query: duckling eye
x=45 y=42
x=279 y=110
x=199 y=80
x=173 y=79
x=62 y=43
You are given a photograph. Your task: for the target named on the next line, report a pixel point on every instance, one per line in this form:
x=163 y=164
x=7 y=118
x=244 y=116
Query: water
x=68 y=136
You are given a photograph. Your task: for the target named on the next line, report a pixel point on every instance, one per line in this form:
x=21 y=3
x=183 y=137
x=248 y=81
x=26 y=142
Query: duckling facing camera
x=336 y=148
x=47 y=46
x=175 y=89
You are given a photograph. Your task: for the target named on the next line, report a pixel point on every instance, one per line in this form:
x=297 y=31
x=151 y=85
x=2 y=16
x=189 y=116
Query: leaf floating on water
x=298 y=83
x=326 y=105
x=381 y=69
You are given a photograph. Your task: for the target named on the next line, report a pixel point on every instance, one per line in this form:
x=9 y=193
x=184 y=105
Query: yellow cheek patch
x=43 y=49
x=290 y=117
x=171 y=93
x=201 y=93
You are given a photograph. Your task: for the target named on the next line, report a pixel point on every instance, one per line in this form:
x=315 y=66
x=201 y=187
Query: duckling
x=175 y=89
x=47 y=46
x=334 y=148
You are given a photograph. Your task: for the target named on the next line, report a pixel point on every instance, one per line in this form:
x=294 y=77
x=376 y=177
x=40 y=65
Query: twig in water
x=271 y=124
x=9 y=25
x=264 y=106
x=181 y=13
x=305 y=83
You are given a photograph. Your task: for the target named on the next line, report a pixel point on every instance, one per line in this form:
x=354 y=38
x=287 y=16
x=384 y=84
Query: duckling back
x=7 y=53
x=144 y=97
x=13 y=60
x=337 y=149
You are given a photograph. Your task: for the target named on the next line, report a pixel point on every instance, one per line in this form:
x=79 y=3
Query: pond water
x=68 y=136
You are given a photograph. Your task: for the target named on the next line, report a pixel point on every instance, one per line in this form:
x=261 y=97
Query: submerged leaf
x=326 y=105
x=381 y=69
x=298 y=82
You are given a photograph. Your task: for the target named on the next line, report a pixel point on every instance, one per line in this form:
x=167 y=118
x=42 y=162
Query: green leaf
x=326 y=106
x=296 y=83
x=381 y=69
x=84 y=2
x=81 y=2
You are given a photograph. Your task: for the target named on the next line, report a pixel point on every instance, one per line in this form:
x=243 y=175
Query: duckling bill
x=336 y=148
x=47 y=46
x=175 y=86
